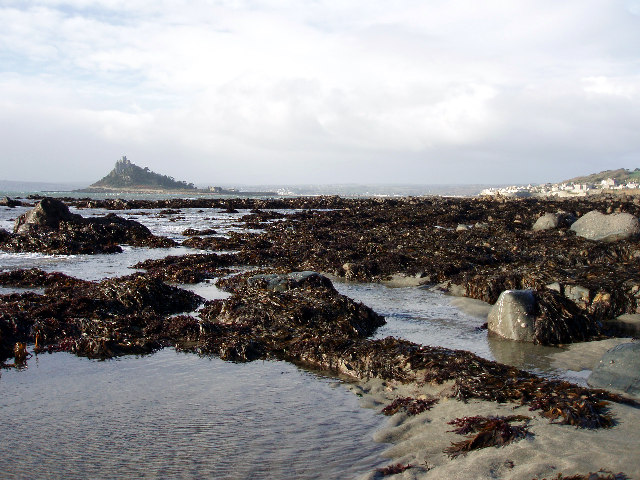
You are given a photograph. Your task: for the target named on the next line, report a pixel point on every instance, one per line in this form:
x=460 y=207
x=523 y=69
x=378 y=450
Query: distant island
x=127 y=177
x=621 y=180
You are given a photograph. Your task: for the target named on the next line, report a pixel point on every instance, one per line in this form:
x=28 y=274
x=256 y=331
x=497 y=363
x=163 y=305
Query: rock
x=606 y=228
x=8 y=202
x=577 y=294
x=355 y=271
x=619 y=369
x=555 y=286
x=283 y=282
x=51 y=228
x=513 y=315
x=48 y=214
x=550 y=221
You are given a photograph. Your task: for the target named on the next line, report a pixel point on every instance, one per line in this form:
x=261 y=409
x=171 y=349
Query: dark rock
x=606 y=228
x=47 y=214
x=619 y=369
x=50 y=228
x=8 y=202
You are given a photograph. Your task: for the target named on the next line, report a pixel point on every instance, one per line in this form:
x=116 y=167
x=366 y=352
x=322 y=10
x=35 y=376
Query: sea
x=179 y=415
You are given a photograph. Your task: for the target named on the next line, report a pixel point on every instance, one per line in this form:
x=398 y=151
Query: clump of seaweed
x=412 y=406
x=393 y=469
x=487 y=432
x=599 y=475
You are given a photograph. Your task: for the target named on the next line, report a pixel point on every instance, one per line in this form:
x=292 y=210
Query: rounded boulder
x=513 y=316
x=606 y=228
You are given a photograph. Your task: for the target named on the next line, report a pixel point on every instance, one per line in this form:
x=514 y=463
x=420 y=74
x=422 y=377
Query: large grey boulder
x=606 y=228
x=619 y=369
x=513 y=317
x=47 y=214
x=549 y=221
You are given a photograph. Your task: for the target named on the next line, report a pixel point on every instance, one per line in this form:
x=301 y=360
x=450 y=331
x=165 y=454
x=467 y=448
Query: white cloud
x=437 y=86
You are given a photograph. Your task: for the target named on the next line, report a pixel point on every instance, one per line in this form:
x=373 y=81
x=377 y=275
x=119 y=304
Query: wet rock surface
x=51 y=228
x=512 y=316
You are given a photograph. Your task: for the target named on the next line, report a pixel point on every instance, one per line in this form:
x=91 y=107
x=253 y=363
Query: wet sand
x=551 y=449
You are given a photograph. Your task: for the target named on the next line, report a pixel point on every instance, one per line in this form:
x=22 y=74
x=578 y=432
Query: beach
x=359 y=289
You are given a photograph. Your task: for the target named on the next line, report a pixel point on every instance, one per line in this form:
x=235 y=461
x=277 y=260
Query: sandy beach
x=549 y=450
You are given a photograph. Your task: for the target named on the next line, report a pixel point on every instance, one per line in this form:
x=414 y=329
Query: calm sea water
x=172 y=415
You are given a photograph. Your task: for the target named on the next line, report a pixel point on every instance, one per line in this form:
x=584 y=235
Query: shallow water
x=174 y=415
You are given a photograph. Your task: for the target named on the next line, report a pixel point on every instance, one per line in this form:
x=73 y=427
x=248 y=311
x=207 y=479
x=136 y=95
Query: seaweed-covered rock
x=512 y=316
x=606 y=228
x=187 y=268
x=290 y=310
x=98 y=319
x=550 y=221
x=282 y=282
x=545 y=317
x=51 y=228
x=47 y=214
x=9 y=202
x=619 y=369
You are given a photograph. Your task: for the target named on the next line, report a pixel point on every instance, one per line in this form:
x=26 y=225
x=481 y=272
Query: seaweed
x=393 y=469
x=599 y=475
x=412 y=406
x=486 y=432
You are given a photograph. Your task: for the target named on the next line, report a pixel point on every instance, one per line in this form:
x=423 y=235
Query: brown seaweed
x=599 y=475
x=412 y=406
x=486 y=432
x=393 y=469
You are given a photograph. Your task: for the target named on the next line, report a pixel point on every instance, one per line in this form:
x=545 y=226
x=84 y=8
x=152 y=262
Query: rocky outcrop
x=545 y=317
x=51 y=228
x=619 y=369
x=606 y=228
x=549 y=221
x=9 y=202
x=46 y=215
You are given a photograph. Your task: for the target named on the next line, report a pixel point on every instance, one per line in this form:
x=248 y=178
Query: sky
x=320 y=91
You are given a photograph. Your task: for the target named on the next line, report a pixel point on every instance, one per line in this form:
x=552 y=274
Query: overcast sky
x=320 y=91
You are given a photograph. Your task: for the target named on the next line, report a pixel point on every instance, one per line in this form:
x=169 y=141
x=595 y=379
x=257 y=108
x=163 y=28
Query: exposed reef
x=51 y=228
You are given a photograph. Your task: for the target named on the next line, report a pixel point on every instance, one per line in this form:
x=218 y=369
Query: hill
x=621 y=175
x=128 y=176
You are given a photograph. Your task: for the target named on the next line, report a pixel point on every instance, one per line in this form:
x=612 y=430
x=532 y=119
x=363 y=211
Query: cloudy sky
x=320 y=91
